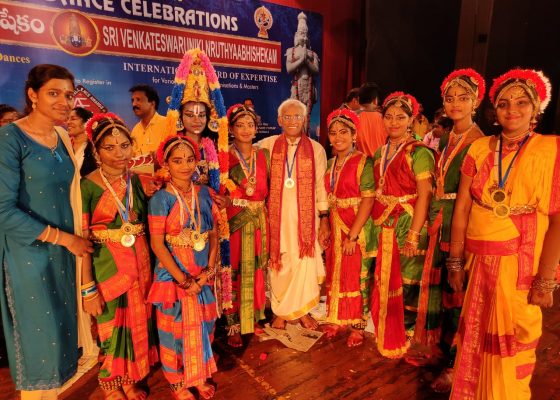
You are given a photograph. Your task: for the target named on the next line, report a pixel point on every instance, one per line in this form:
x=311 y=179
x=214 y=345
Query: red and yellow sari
x=498 y=330
x=348 y=277
x=249 y=245
x=397 y=278
x=123 y=277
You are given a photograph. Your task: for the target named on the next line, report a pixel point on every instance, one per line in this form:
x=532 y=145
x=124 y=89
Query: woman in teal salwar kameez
x=38 y=282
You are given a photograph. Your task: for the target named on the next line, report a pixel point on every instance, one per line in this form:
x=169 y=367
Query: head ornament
x=345 y=116
x=535 y=83
x=402 y=100
x=468 y=79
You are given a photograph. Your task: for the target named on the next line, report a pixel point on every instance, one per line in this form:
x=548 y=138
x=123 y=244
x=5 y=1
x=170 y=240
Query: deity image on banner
x=303 y=63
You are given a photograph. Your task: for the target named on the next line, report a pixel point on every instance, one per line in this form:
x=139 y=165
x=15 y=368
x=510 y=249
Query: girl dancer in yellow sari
x=507 y=215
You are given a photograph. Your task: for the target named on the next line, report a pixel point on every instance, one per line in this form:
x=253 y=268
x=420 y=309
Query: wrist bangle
x=544 y=285
x=455 y=264
x=56 y=236
x=353 y=239
x=47 y=234
x=323 y=215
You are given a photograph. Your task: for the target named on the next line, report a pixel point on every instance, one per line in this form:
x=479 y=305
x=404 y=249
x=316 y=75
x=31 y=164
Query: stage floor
x=330 y=370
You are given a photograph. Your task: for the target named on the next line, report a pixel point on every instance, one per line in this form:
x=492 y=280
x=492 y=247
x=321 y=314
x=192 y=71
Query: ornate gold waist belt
x=252 y=205
x=343 y=203
x=516 y=210
x=188 y=238
x=387 y=200
x=116 y=235
x=446 y=196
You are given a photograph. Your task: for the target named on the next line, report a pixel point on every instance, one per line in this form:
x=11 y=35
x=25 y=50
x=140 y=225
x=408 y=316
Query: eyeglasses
x=289 y=118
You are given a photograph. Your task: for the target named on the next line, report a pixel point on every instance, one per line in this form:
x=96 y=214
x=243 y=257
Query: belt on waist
x=185 y=238
x=446 y=196
x=252 y=205
x=515 y=210
x=343 y=203
x=115 y=235
x=387 y=200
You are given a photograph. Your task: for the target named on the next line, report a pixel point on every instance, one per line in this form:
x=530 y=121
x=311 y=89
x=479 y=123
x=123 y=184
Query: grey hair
x=293 y=102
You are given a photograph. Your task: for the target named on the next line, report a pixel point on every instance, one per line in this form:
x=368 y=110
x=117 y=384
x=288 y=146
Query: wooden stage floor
x=329 y=371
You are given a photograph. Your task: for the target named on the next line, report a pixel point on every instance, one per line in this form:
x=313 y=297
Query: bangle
x=56 y=236
x=324 y=214
x=413 y=233
x=544 y=285
x=455 y=264
x=186 y=283
x=89 y=291
x=353 y=239
x=87 y=285
x=457 y=243
x=90 y=298
x=47 y=234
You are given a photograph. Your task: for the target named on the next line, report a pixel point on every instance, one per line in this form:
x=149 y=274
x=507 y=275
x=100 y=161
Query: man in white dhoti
x=298 y=215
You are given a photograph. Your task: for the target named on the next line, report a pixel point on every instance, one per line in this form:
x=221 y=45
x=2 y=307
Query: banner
x=260 y=50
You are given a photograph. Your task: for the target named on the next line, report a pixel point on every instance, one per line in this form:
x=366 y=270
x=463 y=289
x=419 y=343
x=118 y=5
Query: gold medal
x=127 y=228
x=498 y=196
x=128 y=240
x=381 y=182
x=289 y=183
x=198 y=242
x=249 y=190
x=501 y=211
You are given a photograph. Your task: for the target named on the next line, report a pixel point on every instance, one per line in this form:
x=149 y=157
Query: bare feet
x=421 y=359
x=134 y=392
x=443 y=383
x=206 y=391
x=356 y=338
x=235 y=340
x=330 y=330
x=279 y=323
x=308 y=322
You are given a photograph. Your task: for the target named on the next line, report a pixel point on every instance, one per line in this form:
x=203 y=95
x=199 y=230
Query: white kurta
x=295 y=289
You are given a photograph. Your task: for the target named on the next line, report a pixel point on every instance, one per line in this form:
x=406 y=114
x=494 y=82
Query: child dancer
x=185 y=242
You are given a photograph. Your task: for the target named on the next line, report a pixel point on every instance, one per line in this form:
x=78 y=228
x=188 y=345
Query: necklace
x=249 y=170
x=497 y=191
x=289 y=182
x=198 y=242
x=445 y=160
x=386 y=161
x=335 y=175
x=127 y=239
x=40 y=137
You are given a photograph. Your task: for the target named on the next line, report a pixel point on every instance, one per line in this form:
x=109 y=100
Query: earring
x=179 y=125
x=34 y=105
x=473 y=113
x=495 y=122
x=97 y=160
x=534 y=120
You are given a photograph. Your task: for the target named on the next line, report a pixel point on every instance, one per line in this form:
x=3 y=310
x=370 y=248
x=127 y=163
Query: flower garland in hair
x=222 y=168
x=345 y=116
x=475 y=78
x=92 y=123
x=409 y=99
x=534 y=79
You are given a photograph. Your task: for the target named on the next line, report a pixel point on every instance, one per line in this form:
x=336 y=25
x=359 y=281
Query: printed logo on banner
x=75 y=33
x=263 y=20
x=84 y=98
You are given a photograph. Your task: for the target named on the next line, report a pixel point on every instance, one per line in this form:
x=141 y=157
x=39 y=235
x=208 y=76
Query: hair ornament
x=468 y=79
x=166 y=147
x=535 y=83
x=345 y=116
x=402 y=100
x=116 y=124
x=239 y=110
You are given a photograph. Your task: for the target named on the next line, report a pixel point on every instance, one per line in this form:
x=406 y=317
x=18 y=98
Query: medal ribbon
x=445 y=160
x=334 y=175
x=498 y=160
x=183 y=204
x=247 y=170
x=385 y=162
x=129 y=199
x=291 y=168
